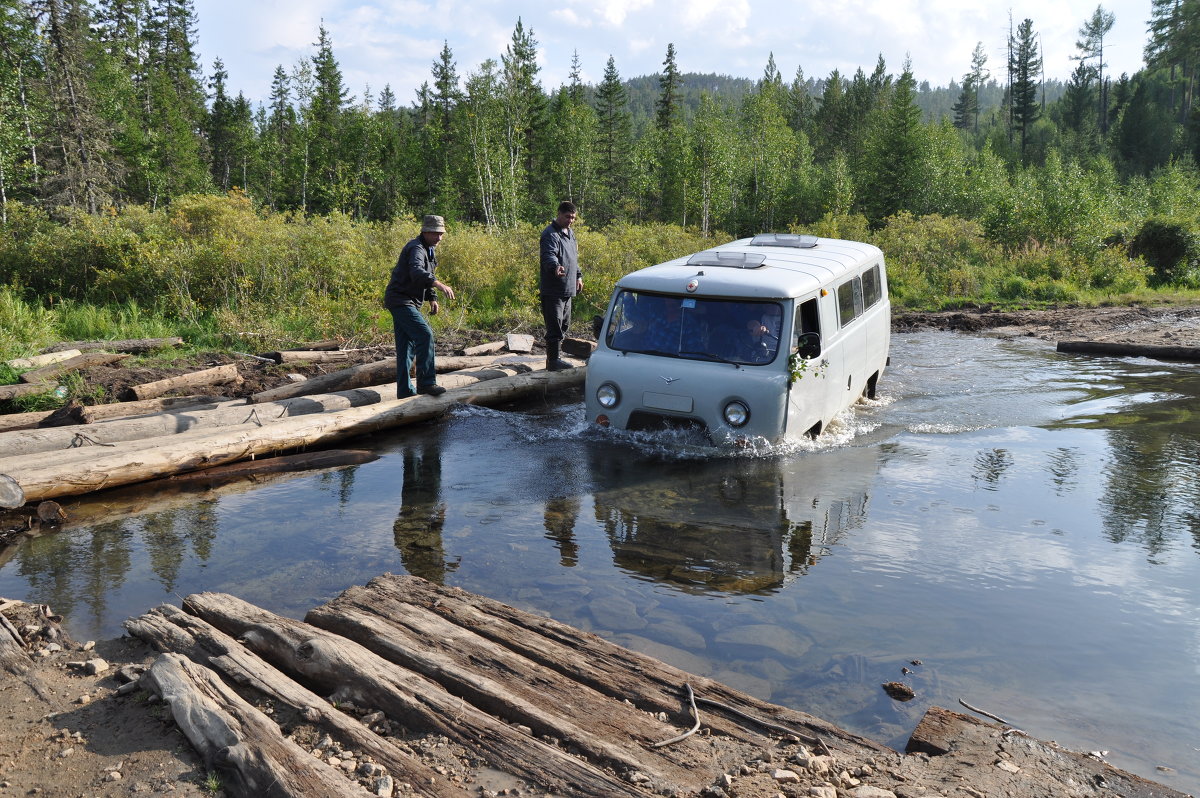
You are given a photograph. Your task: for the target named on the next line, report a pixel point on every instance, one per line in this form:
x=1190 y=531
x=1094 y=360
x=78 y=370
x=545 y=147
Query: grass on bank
x=226 y=276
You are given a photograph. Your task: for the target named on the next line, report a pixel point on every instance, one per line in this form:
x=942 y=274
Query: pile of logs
x=82 y=449
x=555 y=707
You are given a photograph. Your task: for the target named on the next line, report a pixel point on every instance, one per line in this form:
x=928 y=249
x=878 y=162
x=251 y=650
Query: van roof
x=774 y=267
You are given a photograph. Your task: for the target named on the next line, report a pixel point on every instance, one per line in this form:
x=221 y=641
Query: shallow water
x=1023 y=523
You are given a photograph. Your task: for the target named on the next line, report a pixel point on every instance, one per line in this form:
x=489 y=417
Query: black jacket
x=412 y=276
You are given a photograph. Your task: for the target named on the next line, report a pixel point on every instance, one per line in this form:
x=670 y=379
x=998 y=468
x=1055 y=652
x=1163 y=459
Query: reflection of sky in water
x=1024 y=523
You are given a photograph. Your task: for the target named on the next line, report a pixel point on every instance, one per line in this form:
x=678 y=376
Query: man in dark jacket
x=561 y=279
x=412 y=283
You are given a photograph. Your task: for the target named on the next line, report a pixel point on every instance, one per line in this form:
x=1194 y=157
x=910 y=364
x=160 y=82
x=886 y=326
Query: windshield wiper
x=710 y=355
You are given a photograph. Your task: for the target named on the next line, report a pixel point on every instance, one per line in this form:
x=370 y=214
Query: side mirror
x=808 y=345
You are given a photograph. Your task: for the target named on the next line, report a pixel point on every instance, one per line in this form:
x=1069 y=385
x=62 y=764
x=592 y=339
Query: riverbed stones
x=779 y=639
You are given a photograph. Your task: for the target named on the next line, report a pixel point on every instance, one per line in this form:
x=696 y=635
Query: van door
x=809 y=397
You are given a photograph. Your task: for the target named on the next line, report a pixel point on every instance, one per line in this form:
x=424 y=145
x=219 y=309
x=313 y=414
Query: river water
x=1024 y=524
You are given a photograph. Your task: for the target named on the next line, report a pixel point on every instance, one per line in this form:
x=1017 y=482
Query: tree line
x=106 y=106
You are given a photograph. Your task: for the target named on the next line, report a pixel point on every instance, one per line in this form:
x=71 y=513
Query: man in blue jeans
x=412 y=283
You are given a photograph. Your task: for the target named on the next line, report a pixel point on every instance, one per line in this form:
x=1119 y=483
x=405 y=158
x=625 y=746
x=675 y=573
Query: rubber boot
x=552 y=361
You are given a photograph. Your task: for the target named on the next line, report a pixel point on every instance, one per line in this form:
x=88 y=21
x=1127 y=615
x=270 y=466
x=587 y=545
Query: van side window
x=806 y=337
x=871 y=287
x=850 y=301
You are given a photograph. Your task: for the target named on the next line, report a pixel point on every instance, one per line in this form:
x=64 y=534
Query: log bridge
x=41 y=464
x=404 y=687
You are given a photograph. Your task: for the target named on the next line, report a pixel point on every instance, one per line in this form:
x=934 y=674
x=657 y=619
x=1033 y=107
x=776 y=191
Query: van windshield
x=726 y=330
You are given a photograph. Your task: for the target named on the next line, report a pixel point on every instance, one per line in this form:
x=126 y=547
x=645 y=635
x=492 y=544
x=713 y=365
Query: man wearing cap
x=412 y=283
x=561 y=279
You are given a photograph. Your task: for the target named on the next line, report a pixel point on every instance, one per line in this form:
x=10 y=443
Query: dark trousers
x=556 y=312
x=414 y=341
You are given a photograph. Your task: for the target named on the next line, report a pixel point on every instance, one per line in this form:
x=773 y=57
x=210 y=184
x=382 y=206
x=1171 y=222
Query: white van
x=761 y=339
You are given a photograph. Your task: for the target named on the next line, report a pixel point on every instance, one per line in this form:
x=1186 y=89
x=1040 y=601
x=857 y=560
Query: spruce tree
x=1025 y=65
x=615 y=135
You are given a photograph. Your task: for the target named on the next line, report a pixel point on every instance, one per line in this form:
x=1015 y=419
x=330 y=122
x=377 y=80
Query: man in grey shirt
x=561 y=279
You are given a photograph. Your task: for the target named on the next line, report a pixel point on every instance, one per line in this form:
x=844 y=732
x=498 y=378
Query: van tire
x=869 y=390
x=814 y=431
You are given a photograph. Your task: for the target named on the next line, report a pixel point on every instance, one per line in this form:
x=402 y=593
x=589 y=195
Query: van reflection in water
x=731 y=526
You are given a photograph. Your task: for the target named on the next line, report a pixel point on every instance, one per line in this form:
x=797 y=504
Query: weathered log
x=87 y=360
x=483 y=349
x=351 y=672
x=236 y=740
x=217 y=375
x=1191 y=353
x=37 y=361
x=358 y=376
x=606 y=667
x=374 y=373
x=315 y=346
x=306 y=461
x=190 y=451
x=170 y=629
x=23 y=389
x=308 y=356
x=73 y=442
x=13 y=658
x=502 y=683
x=87 y=414
x=134 y=346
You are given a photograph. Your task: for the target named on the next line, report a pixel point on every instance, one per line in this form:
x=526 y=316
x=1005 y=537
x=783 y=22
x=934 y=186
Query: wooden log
x=306 y=461
x=134 y=346
x=87 y=360
x=502 y=683
x=483 y=349
x=217 y=375
x=351 y=672
x=37 y=361
x=16 y=390
x=190 y=451
x=13 y=657
x=170 y=629
x=317 y=346
x=1189 y=353
x=95 y=413
x=608 y=668
x=358 y=376
x=307 y=356
x=72 y=443
x=374 y=373
x=241 y=744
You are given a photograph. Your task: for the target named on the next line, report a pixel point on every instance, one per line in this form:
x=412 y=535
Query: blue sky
x=395 y=41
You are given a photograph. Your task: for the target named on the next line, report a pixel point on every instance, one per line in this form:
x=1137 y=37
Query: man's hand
x=445 y=289
x=579 y=285
x=433 y=307
x=561 y=271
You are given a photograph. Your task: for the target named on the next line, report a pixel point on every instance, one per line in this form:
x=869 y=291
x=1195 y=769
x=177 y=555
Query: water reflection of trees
x=1152 y=489
x=747 y=526
x=108 y=535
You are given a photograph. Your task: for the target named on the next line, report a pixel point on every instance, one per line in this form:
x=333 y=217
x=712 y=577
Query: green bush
x=1169 y=246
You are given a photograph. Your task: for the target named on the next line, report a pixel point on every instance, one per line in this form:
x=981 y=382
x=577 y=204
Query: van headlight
x=736 y=414
x=608 y=395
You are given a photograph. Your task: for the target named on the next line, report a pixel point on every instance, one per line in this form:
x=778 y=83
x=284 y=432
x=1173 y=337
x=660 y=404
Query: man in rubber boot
x=561 y=280
x=412 y=283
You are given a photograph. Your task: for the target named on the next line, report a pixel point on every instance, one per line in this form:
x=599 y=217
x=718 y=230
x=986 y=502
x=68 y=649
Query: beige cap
x=433 y=224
